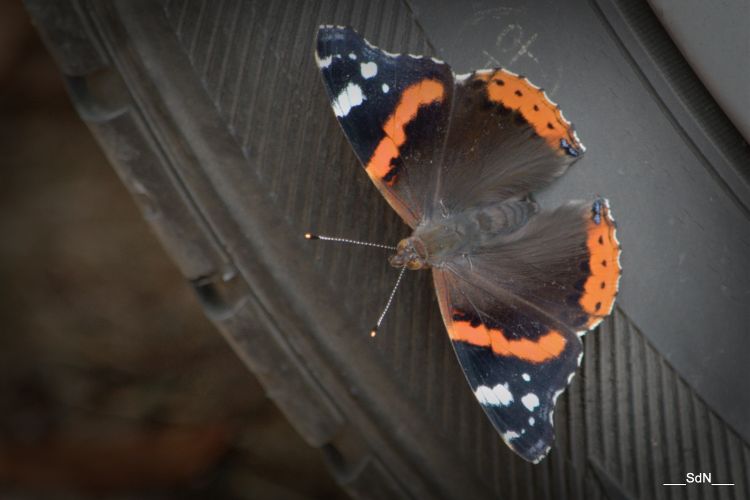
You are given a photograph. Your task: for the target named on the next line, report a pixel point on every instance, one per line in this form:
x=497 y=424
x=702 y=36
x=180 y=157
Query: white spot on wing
x=530 y=401
x=375 y=47
x=349 y=98
x=385 y=88
x=485 y=396
x=526 y=377
x=495 y=396
x=368 y=69
x=532 y=421
x=325 y=62
x=507 y=436
x=462 y=77
x=557 y=395
x=352 y=56
x=541 y=457
x=578 y=141
x=609 y=212
x=554 y=400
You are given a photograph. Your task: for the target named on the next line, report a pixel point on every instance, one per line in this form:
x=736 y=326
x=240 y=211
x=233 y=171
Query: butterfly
x=457 y=157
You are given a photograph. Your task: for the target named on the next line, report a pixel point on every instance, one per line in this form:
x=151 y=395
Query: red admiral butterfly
x=457 y=157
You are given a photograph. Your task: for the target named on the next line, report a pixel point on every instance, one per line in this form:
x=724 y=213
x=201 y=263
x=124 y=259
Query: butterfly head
x=411 y=253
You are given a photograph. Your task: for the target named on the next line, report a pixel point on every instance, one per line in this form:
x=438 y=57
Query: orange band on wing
x=515 y=92
x=548 y=346
x=600 y=288
x=420 y=94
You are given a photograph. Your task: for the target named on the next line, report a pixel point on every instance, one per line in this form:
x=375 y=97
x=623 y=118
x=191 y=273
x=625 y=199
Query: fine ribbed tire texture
x=215 y=118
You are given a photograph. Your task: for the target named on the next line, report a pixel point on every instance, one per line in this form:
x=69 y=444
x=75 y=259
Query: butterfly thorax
x=458 y=234
x=431 y=243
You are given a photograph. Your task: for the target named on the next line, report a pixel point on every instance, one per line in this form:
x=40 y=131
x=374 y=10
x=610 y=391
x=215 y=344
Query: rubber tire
x=214 y=117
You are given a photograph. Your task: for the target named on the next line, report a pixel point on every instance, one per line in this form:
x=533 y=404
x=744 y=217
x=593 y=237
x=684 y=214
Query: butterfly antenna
x=374 y=331
x=311 y=236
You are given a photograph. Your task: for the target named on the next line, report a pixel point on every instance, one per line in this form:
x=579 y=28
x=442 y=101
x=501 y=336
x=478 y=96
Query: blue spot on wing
x=568 y=147
x=596 y=211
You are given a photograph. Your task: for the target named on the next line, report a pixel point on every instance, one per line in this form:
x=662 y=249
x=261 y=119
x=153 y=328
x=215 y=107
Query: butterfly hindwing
x=516 y=364
x=565 y=262
x=519 y=396
x=394 y=110
x=513 y=307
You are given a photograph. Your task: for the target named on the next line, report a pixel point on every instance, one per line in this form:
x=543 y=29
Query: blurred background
x=112 y=383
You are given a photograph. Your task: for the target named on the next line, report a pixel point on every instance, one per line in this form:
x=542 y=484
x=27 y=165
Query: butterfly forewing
x=394 y=109
x=494 y=149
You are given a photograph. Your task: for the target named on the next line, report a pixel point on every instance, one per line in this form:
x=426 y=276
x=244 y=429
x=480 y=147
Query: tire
x=213 y=115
